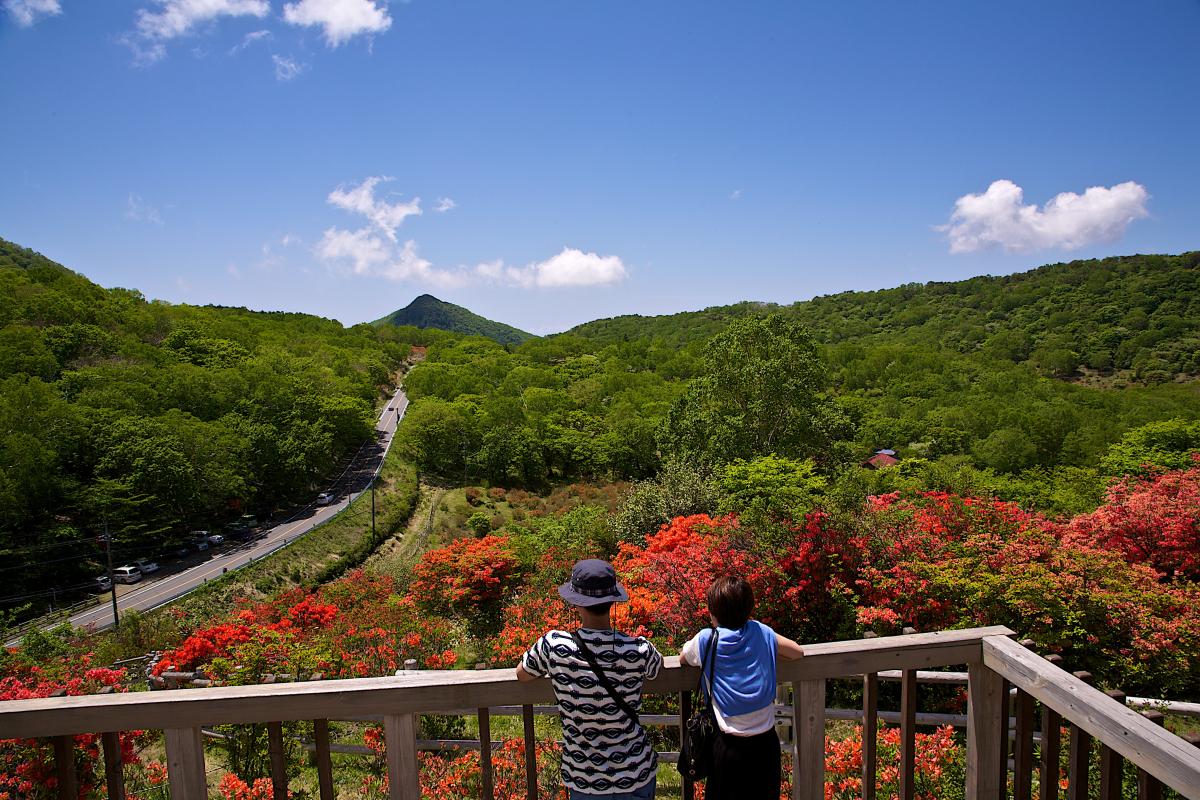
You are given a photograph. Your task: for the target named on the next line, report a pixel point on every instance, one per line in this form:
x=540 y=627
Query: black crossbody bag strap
x=603 y=678
x=711 y=660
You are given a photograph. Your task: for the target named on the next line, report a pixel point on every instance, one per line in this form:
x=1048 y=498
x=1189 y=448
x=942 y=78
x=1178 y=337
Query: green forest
x=154 y=419
x=1032 y=387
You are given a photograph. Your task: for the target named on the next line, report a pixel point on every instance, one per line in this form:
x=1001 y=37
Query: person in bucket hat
x=597 y=674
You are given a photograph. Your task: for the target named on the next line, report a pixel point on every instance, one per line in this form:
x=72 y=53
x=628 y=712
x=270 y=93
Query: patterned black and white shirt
x=604 y=751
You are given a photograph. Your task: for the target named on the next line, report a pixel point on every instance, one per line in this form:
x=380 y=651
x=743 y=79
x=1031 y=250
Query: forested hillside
x=427 y=311
x=158 y=418
x=974 y=381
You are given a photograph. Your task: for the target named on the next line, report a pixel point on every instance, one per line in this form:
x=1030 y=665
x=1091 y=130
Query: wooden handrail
x=437 y=691
x=1150 y=747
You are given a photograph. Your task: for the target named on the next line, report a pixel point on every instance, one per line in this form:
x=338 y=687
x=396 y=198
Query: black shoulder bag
x=700 y=733
x=604 y=681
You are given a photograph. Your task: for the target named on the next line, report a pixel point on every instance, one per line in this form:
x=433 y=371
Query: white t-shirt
x=750 y=724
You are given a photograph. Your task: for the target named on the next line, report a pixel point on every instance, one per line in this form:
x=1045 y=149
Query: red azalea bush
x=353 y=627
x=27 y=768
x=1153 y=520
x=466 y=574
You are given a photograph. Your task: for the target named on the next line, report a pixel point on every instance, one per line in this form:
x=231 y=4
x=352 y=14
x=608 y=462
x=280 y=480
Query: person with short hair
x=746 y=755
x=606 y=751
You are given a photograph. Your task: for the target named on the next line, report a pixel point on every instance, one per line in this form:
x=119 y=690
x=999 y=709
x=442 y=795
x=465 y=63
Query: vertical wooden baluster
x=1023 y=744
x=400 y=731
x=685 y=712
x=1081 y=748
x=1051 y=745
x=1005 y=710
x=324 y=764
x=1111 y=764
x=908 y=734
x=279 y=789
x=64 y=767
x=114 y=778
x=1149 y=787
x=984 y=708
x=808 y=722
x=185 y=763
x=486 y=789
x=531 y=787
x=870 y=734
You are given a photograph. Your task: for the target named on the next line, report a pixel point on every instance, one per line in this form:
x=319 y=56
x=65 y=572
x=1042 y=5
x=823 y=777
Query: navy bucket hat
x=593 y=582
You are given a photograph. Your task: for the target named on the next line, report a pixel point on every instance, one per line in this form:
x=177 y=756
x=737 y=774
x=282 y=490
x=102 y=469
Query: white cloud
x=361 y=200
x=139 y=210
x=571 y=267
x=175 y=18
x=374 y=250
x=341 y=20
x=286 y=68
x=444 y=204
x=27 y=12
x=1069 y=221
x=736 y=194
x=249 y=39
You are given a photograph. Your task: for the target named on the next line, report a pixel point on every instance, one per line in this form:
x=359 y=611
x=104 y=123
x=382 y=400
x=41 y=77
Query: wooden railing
x=992 y=659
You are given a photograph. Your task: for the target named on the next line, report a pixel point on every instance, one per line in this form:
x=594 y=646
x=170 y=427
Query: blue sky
x=601 y=157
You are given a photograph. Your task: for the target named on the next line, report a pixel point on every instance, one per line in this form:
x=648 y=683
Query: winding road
x=156 y=591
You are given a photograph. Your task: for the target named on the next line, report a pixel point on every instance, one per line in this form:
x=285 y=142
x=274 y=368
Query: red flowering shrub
x=939 y=764
x=466 y=574
x=1153 y=520
x=27 y=768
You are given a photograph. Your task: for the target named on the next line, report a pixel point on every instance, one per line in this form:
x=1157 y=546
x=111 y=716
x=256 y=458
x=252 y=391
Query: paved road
x=152 y=593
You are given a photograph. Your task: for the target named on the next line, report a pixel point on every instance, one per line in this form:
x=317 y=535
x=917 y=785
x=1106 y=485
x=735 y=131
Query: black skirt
x=745 y=767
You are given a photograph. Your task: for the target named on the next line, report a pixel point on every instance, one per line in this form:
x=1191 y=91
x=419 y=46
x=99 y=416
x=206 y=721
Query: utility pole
x=112 y=584
x=373 y=507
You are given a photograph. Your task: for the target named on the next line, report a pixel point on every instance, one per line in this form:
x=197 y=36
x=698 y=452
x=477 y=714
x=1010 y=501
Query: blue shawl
x=744 y=680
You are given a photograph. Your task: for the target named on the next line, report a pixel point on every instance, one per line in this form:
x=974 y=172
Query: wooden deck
x=993 y=663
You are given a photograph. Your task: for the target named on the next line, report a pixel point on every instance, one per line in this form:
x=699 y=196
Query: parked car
x=127 y=574
x=103 y=584
x=216 y=539
x=181 y=552
x=324 y=498
x=147 y=566
x=249 y=520
x=198 y=540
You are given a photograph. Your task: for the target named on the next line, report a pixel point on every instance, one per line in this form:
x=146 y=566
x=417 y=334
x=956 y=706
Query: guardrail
x=991 y=658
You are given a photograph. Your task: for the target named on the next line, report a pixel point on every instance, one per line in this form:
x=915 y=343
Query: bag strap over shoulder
x=603 y=678
x=709 y=659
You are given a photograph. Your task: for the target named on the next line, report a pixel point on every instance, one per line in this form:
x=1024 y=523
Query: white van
x=127 y=574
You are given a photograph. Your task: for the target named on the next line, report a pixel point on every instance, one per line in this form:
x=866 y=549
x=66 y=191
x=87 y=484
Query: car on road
x=147 y=566
x=102 y=583
x=324 y=498
x=127 y=574
x=216 y=539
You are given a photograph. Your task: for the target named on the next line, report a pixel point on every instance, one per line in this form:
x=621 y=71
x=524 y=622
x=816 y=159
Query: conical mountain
x=427 y=311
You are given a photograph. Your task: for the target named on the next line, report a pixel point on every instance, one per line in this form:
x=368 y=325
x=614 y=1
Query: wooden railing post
x=908 y=734
x=685 y=713
x=808 y=722
x=1023 y=743
x=324 y=764
x=487 y=789
x=870 y=734
x=279 y=782
x=985 y=705
x=531 y=776
x=400 y=732
x=1149 y=787
x=185 y=763
x=1111 y=764
x=114 y=778
x=1079 y=755
x=1051 y=745
x=64 y=767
